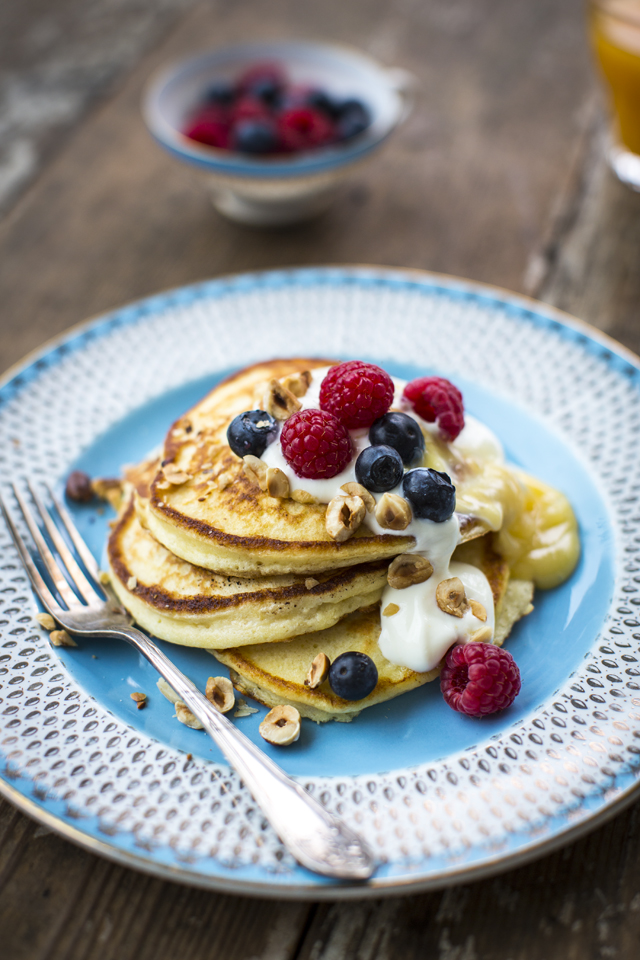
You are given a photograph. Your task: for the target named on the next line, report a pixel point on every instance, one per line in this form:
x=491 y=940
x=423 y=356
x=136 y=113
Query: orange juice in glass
x=615 y=34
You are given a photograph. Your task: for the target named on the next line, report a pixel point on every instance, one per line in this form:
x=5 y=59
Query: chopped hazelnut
x=255 y=470
x=280 y=402
x=482 y=635
x=132 y=583
x=281 y=725
x=167 y=690
x=390 y=610
x=277 y=483
x=46 y=621
x=185 y=716
x=301 y=496
x=311 y=582
x=174 y=475
x=451 y=598
x=244 y=710
x=140 y=699
x=408 y=569
x=357 y=490
x=223 y=480
x=78 y=487
x=60 y=638
x=297 y=383
x=344 y=516
x=393 y=512
x=220 y=691
x=478 y=610
x=318 y=671
x=110 y=489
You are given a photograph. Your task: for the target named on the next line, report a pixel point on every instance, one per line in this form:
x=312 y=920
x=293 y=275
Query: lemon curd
x=615 y=35
x=535 y=526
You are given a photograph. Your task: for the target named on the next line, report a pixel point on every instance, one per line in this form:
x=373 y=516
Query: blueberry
x=353 y=118
x=250 y=432
x=353 y=675
x=400 y=431
x=220 y=94
x=254 y=136
x=431 y=494
x=320 y=100
x=379 y=468
x=267 y=89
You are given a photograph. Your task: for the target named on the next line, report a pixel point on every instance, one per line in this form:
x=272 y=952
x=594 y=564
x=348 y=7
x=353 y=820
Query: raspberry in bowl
x=299 y=127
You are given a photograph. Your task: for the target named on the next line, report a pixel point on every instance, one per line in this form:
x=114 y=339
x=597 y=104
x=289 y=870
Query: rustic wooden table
x=498 y=176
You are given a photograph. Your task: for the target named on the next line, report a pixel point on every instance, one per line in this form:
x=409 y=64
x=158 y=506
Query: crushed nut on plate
x=408 y=569
x=318 y=671
x=140 y=699
x=60 y=638
x=280 y=402
x=390 y=610
x=451 y=598
x=393 y=512
x=78 y=487
x=167 y=690
x=344 y=516
x=219 y=691
x=244 y=710
x=185 y=716
x=281 y=725
x=46 y=620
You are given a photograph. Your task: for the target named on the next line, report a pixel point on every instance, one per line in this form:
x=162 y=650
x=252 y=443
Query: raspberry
x=357 y=393
x=436 y=399
x=302 y=128
x=248 y=108
x=479 y=678
x=210 y=132
x=315 y=444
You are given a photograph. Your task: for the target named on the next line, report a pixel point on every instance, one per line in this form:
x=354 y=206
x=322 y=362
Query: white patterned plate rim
x=570 y=764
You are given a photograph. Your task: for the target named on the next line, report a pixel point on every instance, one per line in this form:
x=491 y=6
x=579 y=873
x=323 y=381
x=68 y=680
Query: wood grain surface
x=499 y=176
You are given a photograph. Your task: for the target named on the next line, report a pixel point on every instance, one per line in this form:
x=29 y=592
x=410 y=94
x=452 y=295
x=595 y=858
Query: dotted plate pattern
x=573 y=755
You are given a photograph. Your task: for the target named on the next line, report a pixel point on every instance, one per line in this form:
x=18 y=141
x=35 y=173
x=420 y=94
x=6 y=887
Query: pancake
x=214 y=516
x=189 y=605
x=275 y=673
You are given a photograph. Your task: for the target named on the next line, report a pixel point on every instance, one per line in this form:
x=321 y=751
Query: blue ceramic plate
x=439 y=796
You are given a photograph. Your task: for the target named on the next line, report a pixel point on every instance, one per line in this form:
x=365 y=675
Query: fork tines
x=69 y=581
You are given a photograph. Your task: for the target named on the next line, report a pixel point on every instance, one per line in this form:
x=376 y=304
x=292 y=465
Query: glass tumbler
x=614 y=27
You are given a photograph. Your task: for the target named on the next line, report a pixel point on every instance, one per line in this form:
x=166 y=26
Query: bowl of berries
x=276 y=127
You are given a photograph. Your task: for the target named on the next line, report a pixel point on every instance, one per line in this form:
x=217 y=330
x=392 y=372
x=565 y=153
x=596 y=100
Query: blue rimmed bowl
x=270 y=191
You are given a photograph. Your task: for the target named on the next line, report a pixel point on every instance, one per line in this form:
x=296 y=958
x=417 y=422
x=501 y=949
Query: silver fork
x=317 y=839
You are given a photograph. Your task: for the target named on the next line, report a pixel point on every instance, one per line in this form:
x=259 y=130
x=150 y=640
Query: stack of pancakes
x=201 y=556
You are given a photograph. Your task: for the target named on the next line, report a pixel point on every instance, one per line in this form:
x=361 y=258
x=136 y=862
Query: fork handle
x=317 y=840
